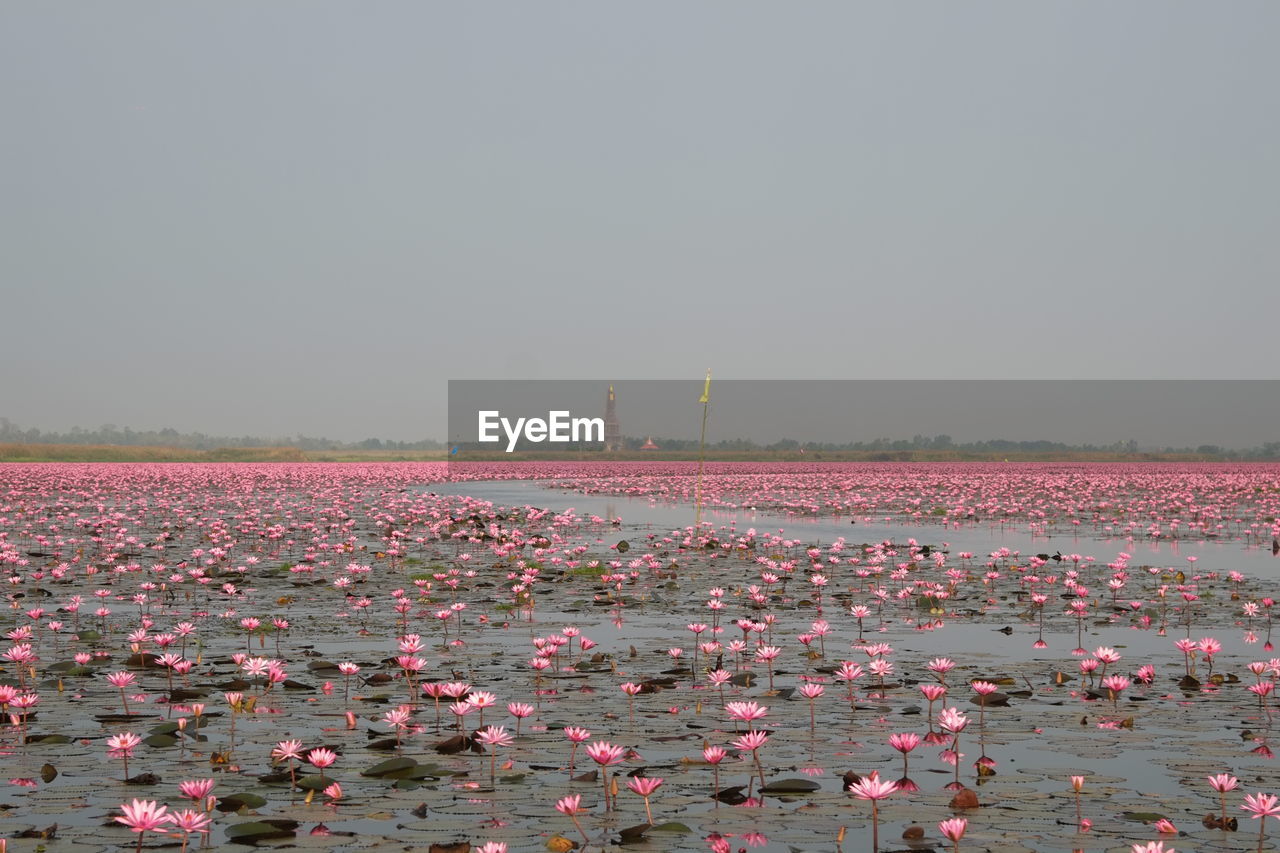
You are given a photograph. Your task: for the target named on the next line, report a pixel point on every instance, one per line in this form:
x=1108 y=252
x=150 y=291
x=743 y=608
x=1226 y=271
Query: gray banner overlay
x=495 y=416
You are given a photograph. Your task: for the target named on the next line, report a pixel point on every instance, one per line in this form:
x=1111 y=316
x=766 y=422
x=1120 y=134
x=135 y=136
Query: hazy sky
x=271 y=218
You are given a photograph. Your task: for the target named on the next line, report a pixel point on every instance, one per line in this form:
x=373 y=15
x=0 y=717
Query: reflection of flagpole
x=705 y=400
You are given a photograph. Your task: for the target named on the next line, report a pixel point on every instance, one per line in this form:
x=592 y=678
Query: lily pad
x=235 y=802
x=791 y=786
x=261 y=830
x=47 y=739
x=394 y=767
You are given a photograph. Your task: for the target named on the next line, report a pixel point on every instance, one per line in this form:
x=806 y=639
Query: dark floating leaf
x=672 y=826
x=394 y=767
x=791 y=786
x=69 y=667
x=261 y=830
x=458 y=743
x=314 y=782
x=49 y=833
x=964 y=799
x=428 y=771
x=48 y=773
x=451 y=847
x=144 y=779
x=47 y=738
x=653 y=685
x=144 y=659
x=235 y=802
x=731 y=796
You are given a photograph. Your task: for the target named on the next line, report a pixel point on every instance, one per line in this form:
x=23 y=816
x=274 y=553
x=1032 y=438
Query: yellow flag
x=706 y=389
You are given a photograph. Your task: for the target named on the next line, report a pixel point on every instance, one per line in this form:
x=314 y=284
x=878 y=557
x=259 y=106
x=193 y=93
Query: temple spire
x=612 y=430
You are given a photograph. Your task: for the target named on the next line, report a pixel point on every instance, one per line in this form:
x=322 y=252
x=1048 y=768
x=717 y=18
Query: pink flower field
x=548 y=656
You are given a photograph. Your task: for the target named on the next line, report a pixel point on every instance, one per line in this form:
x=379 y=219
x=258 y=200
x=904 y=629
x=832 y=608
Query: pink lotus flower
x=644 y=786
x=320 y=758
x=572 y=806
x=188 y=821
x=871 y=787
x=1262 y=806
x=143 y=816
x=952 y=720
x=953 y=829
x=747 y=712
x=196 y=789
x=606 y=754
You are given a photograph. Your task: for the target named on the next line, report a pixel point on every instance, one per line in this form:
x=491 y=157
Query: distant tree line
x=11 y=433
x=110 y=434
x=1269 y=450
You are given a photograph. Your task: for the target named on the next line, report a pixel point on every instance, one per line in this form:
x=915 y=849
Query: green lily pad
x=672 y=826
x=314 y=782
x=70 y=668
x=48 y=739
x=634 y=833
x=394 y=767
x=791 y=786
x=429 y=771
x=235 y=802
x=261 y=830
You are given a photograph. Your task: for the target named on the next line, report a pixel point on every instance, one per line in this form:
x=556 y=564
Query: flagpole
x=705 y=399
